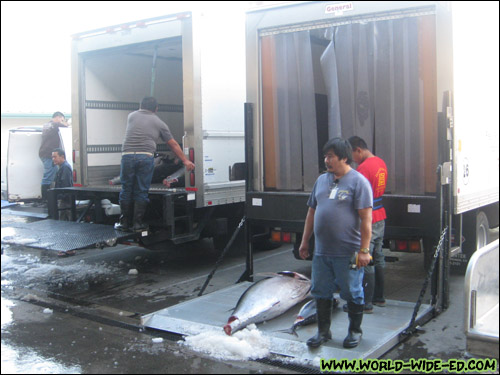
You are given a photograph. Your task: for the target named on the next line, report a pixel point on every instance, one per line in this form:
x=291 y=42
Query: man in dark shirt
x=64 y=178
x=50 y=141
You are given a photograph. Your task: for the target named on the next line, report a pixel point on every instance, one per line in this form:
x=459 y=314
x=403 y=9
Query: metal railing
x=481 y=301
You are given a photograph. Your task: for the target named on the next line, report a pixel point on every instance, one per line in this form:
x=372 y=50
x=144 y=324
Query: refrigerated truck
x=24 y=168
x=193 y=64
x=416 y=80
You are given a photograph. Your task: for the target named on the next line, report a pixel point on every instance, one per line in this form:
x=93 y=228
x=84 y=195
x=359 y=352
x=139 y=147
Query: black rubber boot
x=324 y=313
x=45 y=189
x=126 y=218
x=139 y=211
x=378 y=295
x=335 y=303
x=354 y=334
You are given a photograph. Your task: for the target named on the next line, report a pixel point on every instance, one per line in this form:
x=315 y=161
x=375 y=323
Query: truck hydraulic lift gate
x=381 y=331
x=65 y=235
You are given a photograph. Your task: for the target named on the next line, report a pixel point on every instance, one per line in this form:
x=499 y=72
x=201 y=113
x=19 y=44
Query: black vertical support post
x=73 y=207
x=52 y=204
x=249 y=185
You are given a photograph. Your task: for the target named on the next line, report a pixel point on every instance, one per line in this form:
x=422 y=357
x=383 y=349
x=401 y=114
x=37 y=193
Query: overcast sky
x=36 y=40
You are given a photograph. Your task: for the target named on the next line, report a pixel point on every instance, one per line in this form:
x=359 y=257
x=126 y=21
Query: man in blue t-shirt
x=340 y=215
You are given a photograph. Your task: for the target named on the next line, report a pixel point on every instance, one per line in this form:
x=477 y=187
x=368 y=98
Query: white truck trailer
x=388 y=72
x=24 y=167
x=195 y=69
x=416 y=80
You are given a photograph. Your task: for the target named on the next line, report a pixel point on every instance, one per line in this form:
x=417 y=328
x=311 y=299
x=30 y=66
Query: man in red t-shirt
x=375 y=170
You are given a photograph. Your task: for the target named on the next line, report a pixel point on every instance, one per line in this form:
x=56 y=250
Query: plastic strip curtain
x=293 y=163
x=371 y=72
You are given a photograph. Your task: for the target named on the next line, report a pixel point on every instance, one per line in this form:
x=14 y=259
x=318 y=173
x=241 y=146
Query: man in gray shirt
x=340 y=214
x=144 y=127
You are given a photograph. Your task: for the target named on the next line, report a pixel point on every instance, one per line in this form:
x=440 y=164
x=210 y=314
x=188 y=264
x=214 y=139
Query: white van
x=24 y=167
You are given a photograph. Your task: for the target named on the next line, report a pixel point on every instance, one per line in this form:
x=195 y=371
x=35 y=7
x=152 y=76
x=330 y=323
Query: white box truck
x=193 y=64
x=24 y=167
x=416 y=80
x=388 y=72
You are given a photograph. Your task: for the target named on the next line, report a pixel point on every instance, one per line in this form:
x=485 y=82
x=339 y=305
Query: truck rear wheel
x=482 y=228
x=475 y=231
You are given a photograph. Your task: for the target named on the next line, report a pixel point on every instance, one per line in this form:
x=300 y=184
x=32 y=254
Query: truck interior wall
x=380 y=79
x=118 y=77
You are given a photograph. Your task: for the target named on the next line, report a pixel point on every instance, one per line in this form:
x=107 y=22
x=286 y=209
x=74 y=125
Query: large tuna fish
x=267 y=299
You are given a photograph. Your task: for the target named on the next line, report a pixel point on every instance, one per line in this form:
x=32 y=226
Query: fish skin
x=267 y=299
x=307 y=315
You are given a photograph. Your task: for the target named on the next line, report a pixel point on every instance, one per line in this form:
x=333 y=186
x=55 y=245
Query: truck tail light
x=74 y=176
x=191 y=179
x=276 y=236
x=407 y=246
x=74 y=156
x=401 y=245
x=285 y=237
x=191 y=155
x=414 y=246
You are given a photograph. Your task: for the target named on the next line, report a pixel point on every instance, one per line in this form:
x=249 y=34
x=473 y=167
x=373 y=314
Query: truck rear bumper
x=407 y=216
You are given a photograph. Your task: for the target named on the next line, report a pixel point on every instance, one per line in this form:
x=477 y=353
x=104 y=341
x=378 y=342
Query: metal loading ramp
x=380 y=330
x=62 y=235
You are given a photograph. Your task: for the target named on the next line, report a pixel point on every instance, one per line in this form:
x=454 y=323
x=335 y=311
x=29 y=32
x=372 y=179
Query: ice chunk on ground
x=248 y=343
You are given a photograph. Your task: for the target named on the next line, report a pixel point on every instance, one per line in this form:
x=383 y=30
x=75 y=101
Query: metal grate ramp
x=380 y=330
x=63 y=235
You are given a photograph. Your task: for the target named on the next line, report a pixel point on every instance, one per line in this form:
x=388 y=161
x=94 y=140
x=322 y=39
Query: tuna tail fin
x=290 y=331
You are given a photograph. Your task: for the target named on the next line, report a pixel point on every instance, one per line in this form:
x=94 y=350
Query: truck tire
x=482 y=229
x=475 y=231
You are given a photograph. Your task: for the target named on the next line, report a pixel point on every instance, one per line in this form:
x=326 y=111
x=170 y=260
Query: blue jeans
x=330 y=273
x=135 y=175
x=49 y=171
x=376 y=251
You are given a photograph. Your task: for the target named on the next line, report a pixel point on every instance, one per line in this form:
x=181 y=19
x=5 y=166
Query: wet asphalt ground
x=81 y=314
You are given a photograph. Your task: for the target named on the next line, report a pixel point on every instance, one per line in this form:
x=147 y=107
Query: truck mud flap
x=63 y=235
x=381 y=330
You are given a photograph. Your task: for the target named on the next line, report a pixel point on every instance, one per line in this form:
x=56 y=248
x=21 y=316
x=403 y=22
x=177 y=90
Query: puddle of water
x=25 y=361
x=22 y=361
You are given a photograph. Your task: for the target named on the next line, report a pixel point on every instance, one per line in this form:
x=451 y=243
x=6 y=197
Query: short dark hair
x=340 y=147
x=358 y=142
x=61 y=152
x=57 y=114
x=149 y=103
